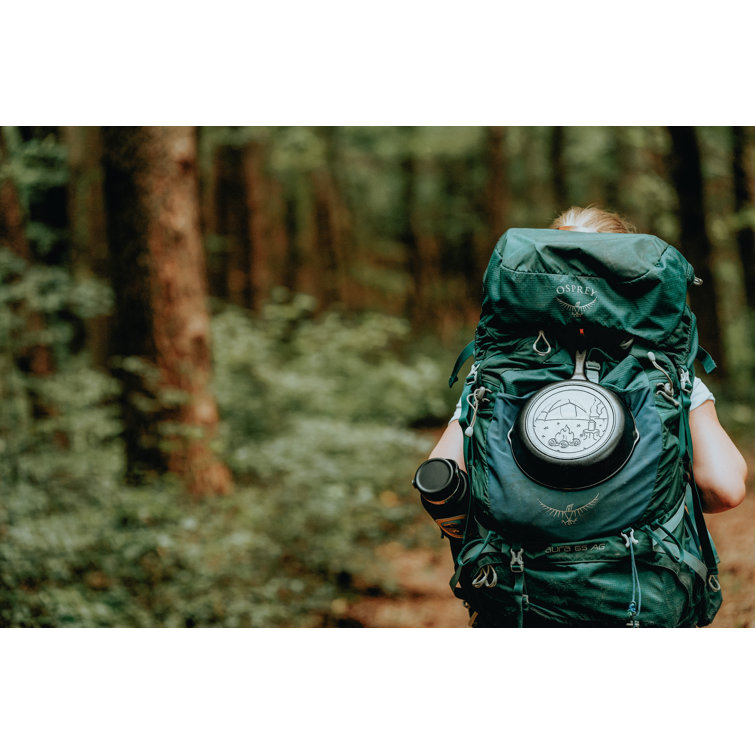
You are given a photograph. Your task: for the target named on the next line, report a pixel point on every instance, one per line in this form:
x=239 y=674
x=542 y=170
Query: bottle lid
x=436 y=479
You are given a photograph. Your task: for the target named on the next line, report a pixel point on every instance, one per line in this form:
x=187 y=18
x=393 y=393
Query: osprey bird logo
x=570 y=515
x=575 y=310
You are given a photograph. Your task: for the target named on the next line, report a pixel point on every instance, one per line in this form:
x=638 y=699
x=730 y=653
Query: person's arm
x=451 y=444
x=720 y=470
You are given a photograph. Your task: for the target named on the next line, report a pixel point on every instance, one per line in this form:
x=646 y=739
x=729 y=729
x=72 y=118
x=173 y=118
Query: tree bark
x=497 y=199
x=161 y=316
x=496 y=203
x=422 y=249
x=559 y=172
x=86 y=221
x=331 y=225
x=743 y=202
x=230 y=215
x=686 y=175
x=259 y=262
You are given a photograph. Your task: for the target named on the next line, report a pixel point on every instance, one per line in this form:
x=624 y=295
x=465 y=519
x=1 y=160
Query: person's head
x=592 y=220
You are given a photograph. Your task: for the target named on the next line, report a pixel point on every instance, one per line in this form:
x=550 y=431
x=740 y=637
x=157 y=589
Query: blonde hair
x=592 y=220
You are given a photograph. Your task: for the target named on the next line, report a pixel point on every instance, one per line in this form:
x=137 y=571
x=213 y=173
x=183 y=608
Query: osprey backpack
x=582 y=506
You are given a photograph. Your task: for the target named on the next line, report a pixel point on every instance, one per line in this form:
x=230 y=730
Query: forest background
x=224 y=350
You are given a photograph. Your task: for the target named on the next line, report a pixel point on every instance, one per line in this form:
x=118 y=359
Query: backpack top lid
x=630 y=282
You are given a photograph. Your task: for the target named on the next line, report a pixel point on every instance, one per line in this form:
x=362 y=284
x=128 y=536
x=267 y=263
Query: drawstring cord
x=474 y=399
x=635 y=605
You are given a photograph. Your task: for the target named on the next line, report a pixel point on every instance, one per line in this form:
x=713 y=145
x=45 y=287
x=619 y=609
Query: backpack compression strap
x=697 y=508
x=466 y=352
x=707 y=361
x=702 y=532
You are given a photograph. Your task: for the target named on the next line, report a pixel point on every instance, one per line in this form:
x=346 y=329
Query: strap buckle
x=517 y=560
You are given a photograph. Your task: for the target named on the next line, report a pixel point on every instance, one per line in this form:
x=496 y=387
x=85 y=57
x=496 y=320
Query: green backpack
x=583 y=509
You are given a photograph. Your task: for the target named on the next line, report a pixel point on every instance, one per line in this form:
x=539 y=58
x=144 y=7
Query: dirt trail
x=426 y=599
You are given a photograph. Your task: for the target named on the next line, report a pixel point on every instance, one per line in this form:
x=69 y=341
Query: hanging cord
x=474 y=400
x=486 y=577
x=665 y=389
x=544 y=348
x=635 y=604
x=471 y=550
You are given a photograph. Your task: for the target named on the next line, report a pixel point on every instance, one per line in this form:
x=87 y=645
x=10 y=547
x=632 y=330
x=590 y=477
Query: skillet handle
x=579 y=365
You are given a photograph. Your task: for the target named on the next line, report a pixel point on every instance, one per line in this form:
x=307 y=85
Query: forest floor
x=425 y=599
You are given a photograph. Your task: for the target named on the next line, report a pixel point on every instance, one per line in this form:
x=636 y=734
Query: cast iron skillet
x=573 y=434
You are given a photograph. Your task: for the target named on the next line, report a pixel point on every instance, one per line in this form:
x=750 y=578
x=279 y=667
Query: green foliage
x=315 y=417
x=35 y=167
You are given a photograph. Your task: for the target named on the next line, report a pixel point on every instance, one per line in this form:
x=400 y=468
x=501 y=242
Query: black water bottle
x=444 y=490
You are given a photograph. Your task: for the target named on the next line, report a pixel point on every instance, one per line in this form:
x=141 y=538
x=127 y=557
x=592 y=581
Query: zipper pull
x=475 y=399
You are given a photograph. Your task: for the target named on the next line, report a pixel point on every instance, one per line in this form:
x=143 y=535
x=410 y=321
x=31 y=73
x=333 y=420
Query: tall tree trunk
x=86 y=221
x=687 y=178
x=290 y=278
x=331 y=225
x=496 y=203
x=230 y=224
x=742 y=204
x=496 y=194
x=257 y=229
x=618 y=167
x=422 y=249
x=560 y=196
x=161 y=316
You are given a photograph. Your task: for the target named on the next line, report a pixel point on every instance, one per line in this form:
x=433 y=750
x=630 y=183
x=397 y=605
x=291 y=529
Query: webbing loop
x=466 y=352
x=540 y=350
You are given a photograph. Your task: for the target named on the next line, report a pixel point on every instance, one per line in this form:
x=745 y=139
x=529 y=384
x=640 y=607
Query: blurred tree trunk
x=686 y=176
x=37 y=359
x=331 y=225
x=496 y=202
x=743 y=204
x=294 y=254
x=619 y=167
x=257 y=195
x=277 y=234
x=86 y=221
x=161 y=326
x=238 y=221
x=422 y=249
x=496 y=194
x=229 y=225
x=560 y=196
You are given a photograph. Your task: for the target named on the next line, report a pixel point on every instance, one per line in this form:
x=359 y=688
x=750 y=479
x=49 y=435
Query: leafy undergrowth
x=317 y=415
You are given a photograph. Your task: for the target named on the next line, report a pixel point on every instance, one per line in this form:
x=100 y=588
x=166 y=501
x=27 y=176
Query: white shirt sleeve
x=457 y=412
x=700 y=394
